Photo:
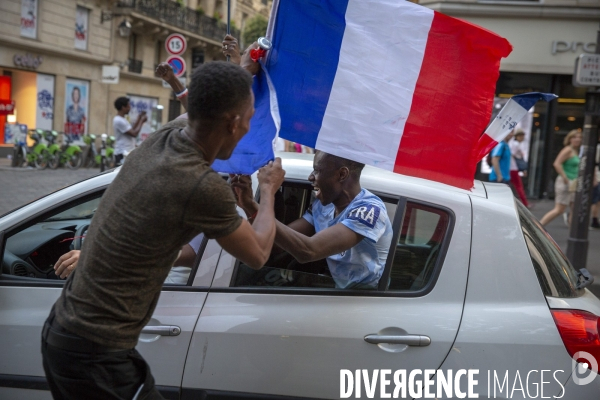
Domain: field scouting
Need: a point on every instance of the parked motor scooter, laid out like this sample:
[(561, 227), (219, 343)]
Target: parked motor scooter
[(90, 153), (70, 154), (53, 149), (37, 154), (19, 156)]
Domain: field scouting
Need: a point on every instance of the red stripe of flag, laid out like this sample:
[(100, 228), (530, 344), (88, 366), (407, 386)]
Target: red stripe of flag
[(452, 103)]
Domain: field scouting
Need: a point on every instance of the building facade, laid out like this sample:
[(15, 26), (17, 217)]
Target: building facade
[(547, 36), (52, 54)]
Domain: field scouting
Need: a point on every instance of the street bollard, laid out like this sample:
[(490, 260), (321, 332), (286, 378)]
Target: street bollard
[(103, 152)]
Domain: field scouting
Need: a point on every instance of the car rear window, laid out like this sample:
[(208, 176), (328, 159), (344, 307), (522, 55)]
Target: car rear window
[(557, 276)]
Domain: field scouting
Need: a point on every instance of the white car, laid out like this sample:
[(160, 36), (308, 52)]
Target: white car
[(475, 295)]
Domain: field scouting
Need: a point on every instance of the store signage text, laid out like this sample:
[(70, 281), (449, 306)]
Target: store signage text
[(111, 74), (27, 60), (561, 46), (587, 70)]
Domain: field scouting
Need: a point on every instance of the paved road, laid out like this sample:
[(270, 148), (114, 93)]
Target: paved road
[(20, 186)]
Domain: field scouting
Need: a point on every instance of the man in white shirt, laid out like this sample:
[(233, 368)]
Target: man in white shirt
[(125, 134)]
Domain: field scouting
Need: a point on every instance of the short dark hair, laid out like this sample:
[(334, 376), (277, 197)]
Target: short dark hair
[(354, 167), (121, 102), (217, 87)]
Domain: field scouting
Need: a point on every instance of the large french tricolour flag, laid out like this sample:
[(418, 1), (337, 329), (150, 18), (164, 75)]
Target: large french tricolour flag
[(385, 82)]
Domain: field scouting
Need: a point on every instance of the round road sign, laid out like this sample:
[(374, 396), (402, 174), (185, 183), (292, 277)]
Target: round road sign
[(178, 65), (176, 44)]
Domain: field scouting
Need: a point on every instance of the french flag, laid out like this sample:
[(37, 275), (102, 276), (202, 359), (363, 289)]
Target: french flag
[(385, 82), (508, 118)]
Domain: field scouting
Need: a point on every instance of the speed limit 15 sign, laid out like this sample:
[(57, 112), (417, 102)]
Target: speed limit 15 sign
[(176, 44)]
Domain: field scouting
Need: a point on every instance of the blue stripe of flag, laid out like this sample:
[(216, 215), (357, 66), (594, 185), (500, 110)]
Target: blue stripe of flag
[(256, 148), (306, 48)]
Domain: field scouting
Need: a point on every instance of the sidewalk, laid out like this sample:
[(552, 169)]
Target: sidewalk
[(560, 233)]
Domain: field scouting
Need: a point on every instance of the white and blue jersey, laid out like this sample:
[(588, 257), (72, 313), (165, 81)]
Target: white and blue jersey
[(366, 215)]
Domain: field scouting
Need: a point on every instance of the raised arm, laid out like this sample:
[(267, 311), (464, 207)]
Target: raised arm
[(165, 71)]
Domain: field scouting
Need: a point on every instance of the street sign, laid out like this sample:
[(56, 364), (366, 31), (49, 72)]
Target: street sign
[(587, 70), (110, 74), (176, 44), (178, 65)]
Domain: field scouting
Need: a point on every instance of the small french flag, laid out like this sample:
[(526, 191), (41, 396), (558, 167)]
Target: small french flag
[(508, 118)]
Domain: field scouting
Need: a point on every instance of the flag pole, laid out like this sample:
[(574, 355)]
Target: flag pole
[(228, 20)]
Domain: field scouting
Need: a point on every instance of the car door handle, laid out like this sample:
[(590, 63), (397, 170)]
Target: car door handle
[(410, 340), (163, 330)]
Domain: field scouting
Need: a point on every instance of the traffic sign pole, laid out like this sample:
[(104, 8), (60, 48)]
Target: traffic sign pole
[(577, 245)]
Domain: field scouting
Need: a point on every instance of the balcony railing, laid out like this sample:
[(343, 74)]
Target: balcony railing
[(135, 66), (182, 17)]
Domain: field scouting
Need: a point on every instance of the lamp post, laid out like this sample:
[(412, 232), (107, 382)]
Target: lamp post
[(577, 245)]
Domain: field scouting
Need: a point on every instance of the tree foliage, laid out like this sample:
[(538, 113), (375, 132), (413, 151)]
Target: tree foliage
[(255, 28)]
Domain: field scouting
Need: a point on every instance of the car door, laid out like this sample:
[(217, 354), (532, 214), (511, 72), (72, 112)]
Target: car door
[(31, 242), (279, 332)]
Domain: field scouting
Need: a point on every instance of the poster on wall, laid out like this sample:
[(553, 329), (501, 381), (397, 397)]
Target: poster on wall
[(81, 27), (29, 11), (76, 108), (45, 101), (139, 104)]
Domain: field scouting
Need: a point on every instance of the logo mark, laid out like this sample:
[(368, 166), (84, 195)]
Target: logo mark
[(579, 368)]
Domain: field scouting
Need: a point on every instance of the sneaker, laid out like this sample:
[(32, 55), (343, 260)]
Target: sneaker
[(595, 224)]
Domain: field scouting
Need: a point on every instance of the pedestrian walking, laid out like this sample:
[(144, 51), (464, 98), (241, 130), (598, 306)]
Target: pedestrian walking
[(501, 159), (165, 194), (595, 209), (566, 165)]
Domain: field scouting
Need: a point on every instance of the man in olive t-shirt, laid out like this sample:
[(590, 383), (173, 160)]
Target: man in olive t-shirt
[(162, 197)]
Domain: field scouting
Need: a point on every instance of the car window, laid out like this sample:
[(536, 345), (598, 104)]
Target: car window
[(422, 233), (281, 269), (84, 210), (555, 273), (30, 251)]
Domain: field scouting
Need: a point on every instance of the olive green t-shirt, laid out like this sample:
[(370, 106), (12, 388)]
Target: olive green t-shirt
[(164, 195)]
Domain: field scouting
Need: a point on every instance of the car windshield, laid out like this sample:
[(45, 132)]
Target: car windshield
[(557, 276)]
